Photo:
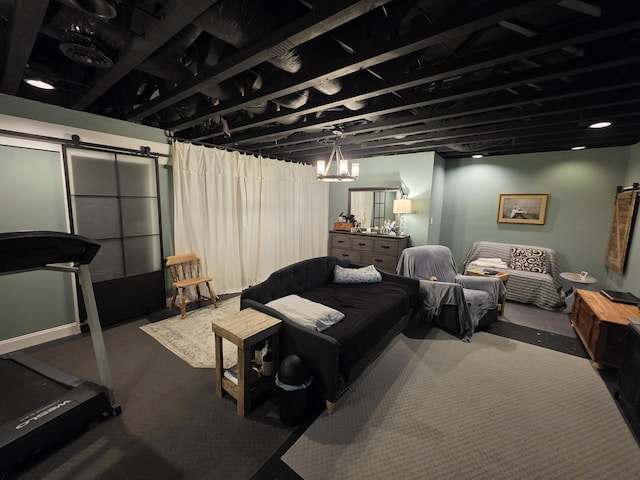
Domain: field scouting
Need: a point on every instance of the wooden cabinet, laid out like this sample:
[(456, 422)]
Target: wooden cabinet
[(383, 251), (628, 387), (601, 325)]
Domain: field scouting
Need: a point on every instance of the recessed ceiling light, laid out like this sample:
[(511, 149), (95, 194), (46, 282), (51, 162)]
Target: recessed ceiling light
[(600, 125), (41, 84), (477, 155), (580, 147)]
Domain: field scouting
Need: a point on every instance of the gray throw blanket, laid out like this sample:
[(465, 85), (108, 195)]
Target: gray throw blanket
[(474, 296)]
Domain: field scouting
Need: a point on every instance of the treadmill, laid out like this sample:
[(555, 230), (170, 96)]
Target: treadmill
[(39, 404)]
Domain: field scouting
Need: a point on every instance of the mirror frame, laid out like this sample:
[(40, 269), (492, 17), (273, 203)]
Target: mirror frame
[(397, 190)]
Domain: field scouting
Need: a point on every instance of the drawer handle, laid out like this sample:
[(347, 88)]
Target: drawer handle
[(385, 246), (341, 241), (361, 244), (378, 260), (345, 254)]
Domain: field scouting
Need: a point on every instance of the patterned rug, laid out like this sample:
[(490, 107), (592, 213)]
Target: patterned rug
[(191, 338), (493, 408)]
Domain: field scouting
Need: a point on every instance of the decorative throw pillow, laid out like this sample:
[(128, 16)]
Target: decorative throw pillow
[(306, 313), (367, 274), (528, 259)]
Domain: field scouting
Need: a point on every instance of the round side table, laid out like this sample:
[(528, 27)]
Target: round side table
[(577, 281)]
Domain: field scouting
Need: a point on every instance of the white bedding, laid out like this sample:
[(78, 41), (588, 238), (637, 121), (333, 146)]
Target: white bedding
[(306, 313)]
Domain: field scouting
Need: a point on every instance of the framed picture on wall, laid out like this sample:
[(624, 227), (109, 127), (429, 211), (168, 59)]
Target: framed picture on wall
[(522, 208)]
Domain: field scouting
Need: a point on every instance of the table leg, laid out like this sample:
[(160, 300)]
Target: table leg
[(219, 365), (569, 299), (244, 381)]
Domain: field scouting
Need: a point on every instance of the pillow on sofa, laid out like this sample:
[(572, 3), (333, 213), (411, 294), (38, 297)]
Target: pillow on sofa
[(528, 260), (306, 313), (367, 274)]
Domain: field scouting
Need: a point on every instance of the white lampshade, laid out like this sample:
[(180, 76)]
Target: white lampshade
[(355, 169), (402, 206), (343, 167), (320, 167)]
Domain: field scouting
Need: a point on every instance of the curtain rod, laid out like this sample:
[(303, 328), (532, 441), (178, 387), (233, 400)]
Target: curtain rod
[(76, 142), (205, 144)]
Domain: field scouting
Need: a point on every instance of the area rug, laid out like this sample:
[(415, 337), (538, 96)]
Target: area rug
[(494, 408), (191, 338)]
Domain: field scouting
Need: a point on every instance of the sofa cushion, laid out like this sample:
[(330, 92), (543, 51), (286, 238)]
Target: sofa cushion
[(528, 260), (306, 312), (367, 274)]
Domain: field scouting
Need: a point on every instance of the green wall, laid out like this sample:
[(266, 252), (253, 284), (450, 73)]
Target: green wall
[(434, 218), (20, 107), (33, 198), (581, 187), (415, 170)]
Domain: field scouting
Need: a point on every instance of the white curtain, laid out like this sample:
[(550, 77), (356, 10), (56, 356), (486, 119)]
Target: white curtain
[(246, 216)]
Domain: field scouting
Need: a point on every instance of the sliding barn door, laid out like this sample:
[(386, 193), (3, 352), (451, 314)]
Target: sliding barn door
[(624, 215), (114, 200)]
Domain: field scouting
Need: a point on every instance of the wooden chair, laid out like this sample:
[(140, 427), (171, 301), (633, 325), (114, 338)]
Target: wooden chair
[(185, 273)]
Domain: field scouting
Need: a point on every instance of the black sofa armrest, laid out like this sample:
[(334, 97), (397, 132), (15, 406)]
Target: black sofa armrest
[(414, 283), (319, 351)]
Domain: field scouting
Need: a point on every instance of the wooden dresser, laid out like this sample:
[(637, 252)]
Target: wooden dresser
[(602, 326), (383, 251)]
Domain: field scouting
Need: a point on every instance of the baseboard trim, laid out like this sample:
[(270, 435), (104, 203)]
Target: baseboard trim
[(36, 338)]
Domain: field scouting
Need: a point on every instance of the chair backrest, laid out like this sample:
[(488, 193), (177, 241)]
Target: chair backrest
[(183, 266), (425, 261)]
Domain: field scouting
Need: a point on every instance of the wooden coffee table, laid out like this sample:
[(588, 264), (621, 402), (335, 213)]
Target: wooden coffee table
[(602, 326), (504, 278), (244, 329)]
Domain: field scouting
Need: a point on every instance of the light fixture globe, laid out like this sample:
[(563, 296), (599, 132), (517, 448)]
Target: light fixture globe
[(343, 173)]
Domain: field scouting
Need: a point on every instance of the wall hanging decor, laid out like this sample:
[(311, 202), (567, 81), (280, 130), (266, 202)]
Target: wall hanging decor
[(624, 218), (523, 208)]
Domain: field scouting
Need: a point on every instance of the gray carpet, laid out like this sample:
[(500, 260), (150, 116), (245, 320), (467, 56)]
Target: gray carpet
[(493, 408), (554, 321), (173, 426)]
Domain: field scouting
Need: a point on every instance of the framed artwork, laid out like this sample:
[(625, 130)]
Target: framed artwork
[(523, 208)]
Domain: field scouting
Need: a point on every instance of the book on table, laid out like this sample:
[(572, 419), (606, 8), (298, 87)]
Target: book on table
[(232, 374), (621, 297)]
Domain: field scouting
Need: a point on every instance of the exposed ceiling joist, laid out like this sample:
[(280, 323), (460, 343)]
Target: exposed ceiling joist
[(309, 27), (25, 24), (392, 76)]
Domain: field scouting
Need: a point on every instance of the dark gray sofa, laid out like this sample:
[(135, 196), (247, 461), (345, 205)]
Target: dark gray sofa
[(374, 315)]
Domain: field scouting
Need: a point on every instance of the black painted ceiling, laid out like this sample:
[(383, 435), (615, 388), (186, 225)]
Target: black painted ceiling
[(285, 78)]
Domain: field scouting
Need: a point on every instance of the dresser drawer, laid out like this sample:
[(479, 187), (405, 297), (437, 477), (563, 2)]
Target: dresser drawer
[(353, 257), (341, 241), (383, 262), (386, 247), (362, 243)]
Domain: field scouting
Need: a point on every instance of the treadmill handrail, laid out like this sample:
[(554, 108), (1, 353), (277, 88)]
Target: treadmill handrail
[(27, 250), (41, 250)]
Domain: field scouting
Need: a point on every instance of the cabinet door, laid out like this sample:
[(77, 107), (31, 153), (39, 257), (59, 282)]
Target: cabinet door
[(582, 318), (596, 345)]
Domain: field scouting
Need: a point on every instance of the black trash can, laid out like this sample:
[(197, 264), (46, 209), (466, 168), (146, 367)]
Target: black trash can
[(293, 380)]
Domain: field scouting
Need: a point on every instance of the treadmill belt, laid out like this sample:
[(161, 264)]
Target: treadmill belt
[(24, 390)]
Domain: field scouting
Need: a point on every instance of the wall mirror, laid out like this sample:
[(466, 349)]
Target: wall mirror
[(372, 206)]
